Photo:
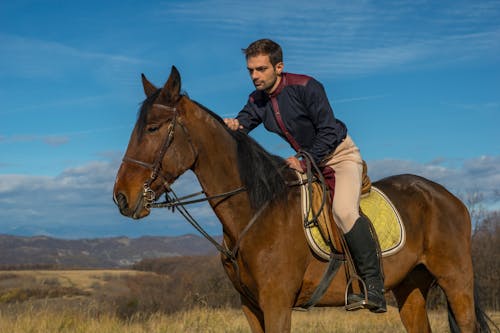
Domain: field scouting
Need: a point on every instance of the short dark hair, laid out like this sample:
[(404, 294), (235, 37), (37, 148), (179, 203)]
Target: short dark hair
[(265, 47)]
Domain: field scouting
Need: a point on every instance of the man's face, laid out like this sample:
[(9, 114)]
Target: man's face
[(264, 76)]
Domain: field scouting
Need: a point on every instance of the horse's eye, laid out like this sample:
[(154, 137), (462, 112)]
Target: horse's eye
[(153, 128)]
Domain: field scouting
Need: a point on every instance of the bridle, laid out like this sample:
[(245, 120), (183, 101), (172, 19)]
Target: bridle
[(149, 198), (148, 194)]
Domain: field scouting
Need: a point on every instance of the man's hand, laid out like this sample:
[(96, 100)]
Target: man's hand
[(233, 124), (294, 163)]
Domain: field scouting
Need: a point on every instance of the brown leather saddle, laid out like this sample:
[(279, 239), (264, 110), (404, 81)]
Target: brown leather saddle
[(319, 223), (323, 234)]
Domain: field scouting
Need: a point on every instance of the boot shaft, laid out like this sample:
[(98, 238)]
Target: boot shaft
[(365, 251)]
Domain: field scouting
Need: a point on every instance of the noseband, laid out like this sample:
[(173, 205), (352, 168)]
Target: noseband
[(148, 195)]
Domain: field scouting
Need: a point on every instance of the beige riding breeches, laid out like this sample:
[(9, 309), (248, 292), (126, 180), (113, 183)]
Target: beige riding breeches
[(348, 166)]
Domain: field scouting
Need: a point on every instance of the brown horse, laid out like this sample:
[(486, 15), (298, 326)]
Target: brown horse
[(274, 269)]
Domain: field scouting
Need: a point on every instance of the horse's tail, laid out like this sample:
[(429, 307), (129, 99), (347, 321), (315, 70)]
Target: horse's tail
[(484, 324)]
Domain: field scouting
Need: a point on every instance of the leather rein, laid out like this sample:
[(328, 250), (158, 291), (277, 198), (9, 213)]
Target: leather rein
[(172, 201)]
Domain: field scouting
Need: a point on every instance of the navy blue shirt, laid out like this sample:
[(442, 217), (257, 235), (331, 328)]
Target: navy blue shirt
[(306, 113)]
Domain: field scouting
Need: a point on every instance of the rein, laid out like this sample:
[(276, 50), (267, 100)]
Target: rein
[(173, 201)]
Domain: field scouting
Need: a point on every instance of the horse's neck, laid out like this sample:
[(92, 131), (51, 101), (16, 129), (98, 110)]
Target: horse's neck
[(217, 171), (216, 165)]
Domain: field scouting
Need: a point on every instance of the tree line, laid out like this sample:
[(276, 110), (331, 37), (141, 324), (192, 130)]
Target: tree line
[(193, 281)]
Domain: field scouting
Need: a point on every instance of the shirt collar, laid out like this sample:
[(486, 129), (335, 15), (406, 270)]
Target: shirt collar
[(280, 86)]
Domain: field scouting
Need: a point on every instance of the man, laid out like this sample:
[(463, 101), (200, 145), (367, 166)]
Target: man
[(296, 108)]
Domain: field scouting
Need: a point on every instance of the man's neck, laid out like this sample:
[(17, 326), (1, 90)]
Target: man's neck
[(275, 85)]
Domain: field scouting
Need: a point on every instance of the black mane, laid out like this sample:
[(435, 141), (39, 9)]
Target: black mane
[(262, 174)]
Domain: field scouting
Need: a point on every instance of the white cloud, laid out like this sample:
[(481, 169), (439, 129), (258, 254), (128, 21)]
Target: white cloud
[(481, 174), (78, 202)]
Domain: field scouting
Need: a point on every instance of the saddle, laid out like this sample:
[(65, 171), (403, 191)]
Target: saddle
[(322, 233)]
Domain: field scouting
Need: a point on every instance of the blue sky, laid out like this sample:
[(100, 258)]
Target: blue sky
[(417, 82)]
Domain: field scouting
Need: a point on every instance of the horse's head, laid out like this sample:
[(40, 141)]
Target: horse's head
[(159, 150)]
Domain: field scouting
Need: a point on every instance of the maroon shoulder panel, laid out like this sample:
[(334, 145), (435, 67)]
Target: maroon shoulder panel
[(296, 79)]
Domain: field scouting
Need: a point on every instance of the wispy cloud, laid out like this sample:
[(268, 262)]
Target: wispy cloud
[(359, 37), (57, 104), (56, 139), (35, 58), (51, 140), (360, 98), (476, 107)]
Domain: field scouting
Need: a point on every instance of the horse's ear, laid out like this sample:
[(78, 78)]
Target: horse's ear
[(172, 89), (149, 88)]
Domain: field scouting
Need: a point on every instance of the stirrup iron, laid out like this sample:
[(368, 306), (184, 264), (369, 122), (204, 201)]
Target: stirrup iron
[(356, 305)]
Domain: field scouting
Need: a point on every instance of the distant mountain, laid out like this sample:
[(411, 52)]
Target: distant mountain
[(96, 253)]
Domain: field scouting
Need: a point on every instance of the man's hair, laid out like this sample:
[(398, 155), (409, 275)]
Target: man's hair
[(265, 47)]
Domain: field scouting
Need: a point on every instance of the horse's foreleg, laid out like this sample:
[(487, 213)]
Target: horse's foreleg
[(411, 296), (254, 315), (277, 312), (278, 319)]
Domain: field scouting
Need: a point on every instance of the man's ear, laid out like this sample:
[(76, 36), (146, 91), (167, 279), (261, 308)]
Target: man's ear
[(279, 67)]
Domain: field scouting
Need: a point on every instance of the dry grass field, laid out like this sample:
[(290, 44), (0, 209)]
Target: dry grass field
[(81, 301), (44, 320)]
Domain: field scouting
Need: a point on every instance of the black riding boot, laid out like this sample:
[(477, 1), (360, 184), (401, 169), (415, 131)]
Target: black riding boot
[(364, 252)]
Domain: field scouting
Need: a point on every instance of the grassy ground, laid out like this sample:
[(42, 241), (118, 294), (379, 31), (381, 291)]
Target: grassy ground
[(71, 301), (43, 320)]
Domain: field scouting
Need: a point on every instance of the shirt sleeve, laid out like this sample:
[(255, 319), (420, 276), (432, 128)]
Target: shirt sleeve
[(248, 117), (327, 136)]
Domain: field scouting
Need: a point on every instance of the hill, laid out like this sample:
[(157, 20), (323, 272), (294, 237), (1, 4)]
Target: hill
[(17, 251)]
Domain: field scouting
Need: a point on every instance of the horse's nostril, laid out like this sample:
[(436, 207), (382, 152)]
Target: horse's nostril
[(121, 200)]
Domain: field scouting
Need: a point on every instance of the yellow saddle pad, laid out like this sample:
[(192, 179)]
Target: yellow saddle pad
[(376, 205)]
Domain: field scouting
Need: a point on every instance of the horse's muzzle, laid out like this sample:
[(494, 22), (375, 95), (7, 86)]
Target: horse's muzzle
[(121, 201)]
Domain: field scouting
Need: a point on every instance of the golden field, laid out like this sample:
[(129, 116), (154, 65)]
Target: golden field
[(202, 320), (82, 301)]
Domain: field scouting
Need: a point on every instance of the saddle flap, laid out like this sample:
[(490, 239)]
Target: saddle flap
[(319, 223)]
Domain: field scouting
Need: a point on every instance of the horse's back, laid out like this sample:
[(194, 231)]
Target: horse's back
[(426, 206), (413, 187)]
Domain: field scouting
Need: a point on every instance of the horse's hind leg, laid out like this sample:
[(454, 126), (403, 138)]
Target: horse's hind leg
[(457, 282), (411, 295)]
